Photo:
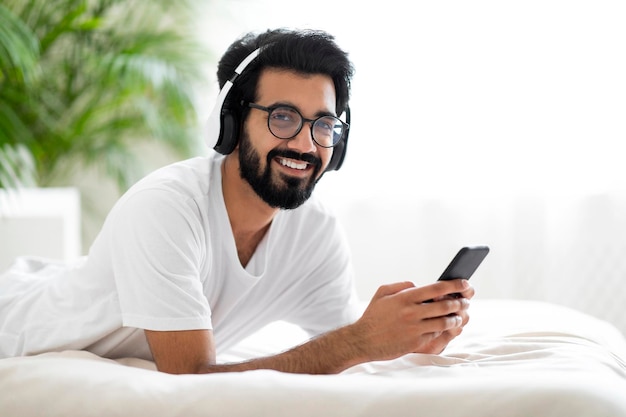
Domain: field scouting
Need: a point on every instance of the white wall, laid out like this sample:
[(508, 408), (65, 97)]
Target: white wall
[(519, 95)]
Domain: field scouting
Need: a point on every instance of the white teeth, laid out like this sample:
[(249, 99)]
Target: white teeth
[(292, 164)]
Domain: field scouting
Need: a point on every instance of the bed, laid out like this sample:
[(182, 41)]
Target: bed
[(515, 358)]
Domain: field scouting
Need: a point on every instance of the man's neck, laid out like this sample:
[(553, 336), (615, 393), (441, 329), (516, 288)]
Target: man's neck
[(249, 216)]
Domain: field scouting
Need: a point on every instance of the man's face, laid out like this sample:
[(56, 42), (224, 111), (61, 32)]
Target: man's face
[(284, 172)]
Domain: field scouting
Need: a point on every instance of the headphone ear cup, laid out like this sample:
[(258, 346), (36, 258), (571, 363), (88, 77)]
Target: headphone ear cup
[(229, 133), (339, 153)]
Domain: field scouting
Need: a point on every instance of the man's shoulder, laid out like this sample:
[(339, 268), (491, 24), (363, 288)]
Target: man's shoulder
[(193, 169), (183, 185), (188, 177)]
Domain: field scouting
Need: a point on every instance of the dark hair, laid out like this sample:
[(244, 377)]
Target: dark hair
[(304, 51)]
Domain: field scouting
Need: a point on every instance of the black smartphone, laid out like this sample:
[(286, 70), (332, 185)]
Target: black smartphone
[(465, 263)]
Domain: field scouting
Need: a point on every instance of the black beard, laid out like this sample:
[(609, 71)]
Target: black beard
[(284, 192)]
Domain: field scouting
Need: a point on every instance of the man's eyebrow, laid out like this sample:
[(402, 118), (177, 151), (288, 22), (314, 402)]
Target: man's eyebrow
[(289, 104)]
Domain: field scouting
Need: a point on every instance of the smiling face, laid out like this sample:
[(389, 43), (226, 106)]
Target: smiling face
[(283, 172)]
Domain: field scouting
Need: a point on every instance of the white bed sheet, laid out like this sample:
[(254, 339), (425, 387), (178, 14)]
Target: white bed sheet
[(516, 358)]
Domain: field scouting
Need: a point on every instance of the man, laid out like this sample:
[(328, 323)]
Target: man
[(202, 253)]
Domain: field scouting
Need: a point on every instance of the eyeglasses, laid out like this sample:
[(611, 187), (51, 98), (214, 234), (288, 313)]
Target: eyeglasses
[(286, 122)]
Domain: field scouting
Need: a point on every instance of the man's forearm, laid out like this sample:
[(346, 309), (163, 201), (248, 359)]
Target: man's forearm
[(328, 353)]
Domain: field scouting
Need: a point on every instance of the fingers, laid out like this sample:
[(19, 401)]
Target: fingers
[(439, 341), (443, 315), (448, 328), (435, 317), (443, 323), (438, 290), (408, 298), (469, 293), (435, 291)]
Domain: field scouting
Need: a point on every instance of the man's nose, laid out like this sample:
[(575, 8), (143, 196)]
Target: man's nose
[(303, 142)]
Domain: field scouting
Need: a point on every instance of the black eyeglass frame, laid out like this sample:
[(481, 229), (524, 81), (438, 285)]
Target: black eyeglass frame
[(270, 109)]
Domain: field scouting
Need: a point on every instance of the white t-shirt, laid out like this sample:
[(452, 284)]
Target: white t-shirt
[(166, 259)]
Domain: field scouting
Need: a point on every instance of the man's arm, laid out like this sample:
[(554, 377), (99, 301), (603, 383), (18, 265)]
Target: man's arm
[(396, 322)]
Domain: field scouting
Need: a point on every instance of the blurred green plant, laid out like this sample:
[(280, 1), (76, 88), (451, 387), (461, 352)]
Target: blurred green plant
[(83, 81)]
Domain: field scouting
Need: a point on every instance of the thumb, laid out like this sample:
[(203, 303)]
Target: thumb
[(389, 289)]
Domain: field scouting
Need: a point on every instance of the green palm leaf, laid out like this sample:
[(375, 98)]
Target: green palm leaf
[(97, 81)]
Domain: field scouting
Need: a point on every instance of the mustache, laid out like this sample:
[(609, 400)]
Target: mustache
[(306, 157)]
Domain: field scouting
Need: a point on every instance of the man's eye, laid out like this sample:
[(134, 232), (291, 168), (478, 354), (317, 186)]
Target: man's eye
[(326, 125), (284, 115)]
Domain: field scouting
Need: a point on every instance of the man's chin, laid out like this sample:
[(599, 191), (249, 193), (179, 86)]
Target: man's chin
[(292, 193), (288, 181)]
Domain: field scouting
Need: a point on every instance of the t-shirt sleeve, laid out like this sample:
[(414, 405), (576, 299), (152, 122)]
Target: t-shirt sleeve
[(156, 245)]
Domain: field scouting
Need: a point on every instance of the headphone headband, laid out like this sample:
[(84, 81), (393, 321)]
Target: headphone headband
[(215, 131)]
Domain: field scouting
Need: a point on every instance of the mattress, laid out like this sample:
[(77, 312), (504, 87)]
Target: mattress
[(515, 358)]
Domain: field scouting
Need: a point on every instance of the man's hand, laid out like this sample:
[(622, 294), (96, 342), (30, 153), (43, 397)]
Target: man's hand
[(397, 321)]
